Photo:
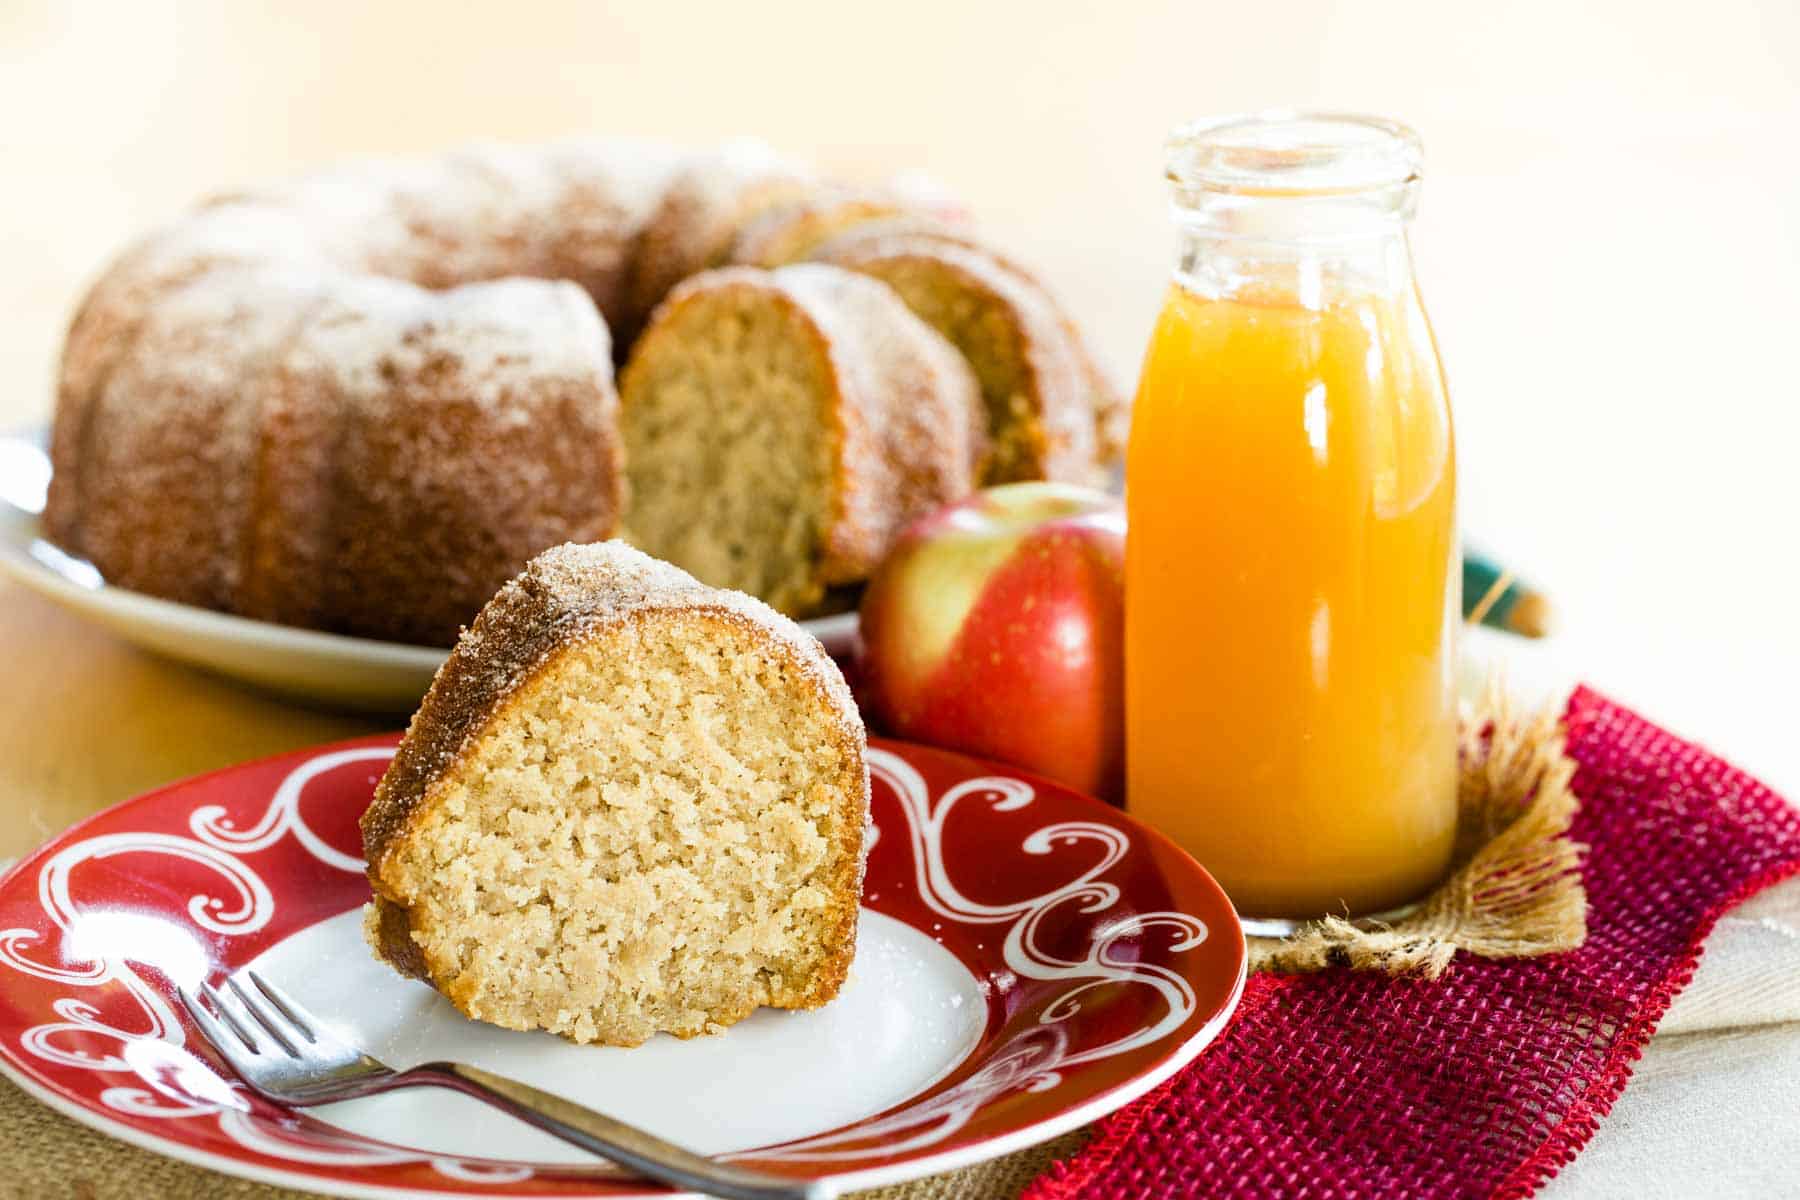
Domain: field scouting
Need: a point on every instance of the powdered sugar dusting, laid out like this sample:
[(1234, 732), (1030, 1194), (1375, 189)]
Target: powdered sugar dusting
[(494, 338), (912, 407), (565, 595), (1050, 413), (587, 586)]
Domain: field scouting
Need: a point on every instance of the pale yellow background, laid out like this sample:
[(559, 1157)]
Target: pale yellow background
[(1609, 239)]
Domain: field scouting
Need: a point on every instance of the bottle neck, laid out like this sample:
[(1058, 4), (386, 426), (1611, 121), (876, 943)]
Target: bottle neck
[(1306, 250)]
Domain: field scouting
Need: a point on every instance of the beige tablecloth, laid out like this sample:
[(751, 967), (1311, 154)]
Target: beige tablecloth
[(44, 1155)]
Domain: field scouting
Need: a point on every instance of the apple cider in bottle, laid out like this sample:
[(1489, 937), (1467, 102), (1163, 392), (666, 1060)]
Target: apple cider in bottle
[(1291, 595)]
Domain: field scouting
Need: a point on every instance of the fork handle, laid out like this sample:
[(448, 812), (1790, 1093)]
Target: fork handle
[(630, 1147)]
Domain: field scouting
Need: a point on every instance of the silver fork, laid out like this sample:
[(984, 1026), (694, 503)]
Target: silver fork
[(287, 1055)]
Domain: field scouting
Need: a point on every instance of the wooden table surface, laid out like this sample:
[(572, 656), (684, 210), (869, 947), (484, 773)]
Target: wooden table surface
[(88, 721)]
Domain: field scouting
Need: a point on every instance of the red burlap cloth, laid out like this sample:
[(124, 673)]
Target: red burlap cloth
[(1484, 1083)]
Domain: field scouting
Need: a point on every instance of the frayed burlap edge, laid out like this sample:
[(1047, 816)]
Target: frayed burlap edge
[(1517, 892)]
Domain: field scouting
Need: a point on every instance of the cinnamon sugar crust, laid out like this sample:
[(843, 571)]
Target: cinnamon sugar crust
[(878, 237), (859, 417), (1036, 379), (629, 803)]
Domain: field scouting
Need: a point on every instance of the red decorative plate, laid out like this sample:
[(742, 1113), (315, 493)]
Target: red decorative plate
[(1029, 960)]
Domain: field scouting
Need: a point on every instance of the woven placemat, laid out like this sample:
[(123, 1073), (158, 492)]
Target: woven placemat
[(46, 1156), (1487, 1081), (1514, 890)]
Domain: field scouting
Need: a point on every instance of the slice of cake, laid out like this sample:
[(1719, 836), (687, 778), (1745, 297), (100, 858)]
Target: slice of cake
[(630, 803), (782, 427), (907, 244), (711, 198), (1036, 381), (790, 232)]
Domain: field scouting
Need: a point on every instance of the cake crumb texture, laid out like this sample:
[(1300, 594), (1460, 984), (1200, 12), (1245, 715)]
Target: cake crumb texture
[(631, 804)]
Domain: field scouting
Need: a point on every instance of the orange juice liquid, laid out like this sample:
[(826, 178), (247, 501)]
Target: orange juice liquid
[(1291, 599)]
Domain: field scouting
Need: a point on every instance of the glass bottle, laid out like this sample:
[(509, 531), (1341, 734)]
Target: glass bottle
[(1291, 583)]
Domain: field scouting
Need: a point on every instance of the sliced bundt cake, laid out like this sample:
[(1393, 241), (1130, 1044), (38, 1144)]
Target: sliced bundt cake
[(630, 803), (709, 201), (791, 231), (360, 399), (444, 436), (1036, 380), (918, 230), (781, 428)]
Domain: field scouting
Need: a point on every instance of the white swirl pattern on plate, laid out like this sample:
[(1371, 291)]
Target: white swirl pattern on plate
[(252, 906), (323, 1147), (213, 826), (1035, 1060), (1032, 1061)]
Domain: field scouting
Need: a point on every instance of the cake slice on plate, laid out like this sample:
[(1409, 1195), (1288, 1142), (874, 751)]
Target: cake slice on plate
[(630, 803)]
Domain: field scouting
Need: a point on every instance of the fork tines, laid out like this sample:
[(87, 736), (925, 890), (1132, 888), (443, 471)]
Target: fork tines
[(246, 1013)]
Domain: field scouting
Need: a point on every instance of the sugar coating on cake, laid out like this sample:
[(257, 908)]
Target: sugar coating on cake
[(847, 418), (789, 232), (1033, 381), (704, 208), (630, 803), (918, 236)]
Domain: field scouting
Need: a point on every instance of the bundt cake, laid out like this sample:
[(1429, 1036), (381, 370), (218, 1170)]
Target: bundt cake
[(360, 400), (781, 427), (351, 453), (268, 409), (791, 231), (1040, 413), (483, 417), (710, 200), (916, 236), (630, 803)]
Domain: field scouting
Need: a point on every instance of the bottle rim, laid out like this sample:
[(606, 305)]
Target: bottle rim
[(1293, 153)]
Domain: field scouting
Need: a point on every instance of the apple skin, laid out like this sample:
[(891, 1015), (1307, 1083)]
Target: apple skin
[(996, 626)]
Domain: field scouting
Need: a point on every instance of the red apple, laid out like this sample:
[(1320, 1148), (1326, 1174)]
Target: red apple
[(996, 627)]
